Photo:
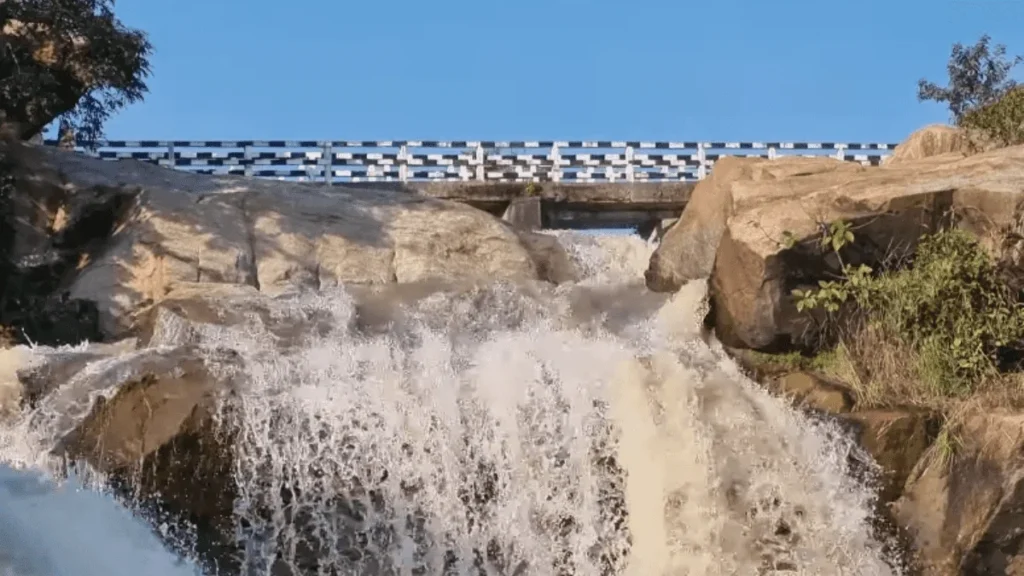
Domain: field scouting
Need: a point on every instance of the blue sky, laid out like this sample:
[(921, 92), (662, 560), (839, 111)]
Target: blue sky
[(801, 70)]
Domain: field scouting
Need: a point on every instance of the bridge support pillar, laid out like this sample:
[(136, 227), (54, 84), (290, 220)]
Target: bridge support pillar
[(525, 213)]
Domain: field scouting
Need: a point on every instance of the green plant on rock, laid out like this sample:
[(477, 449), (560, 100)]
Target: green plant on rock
[(1002, 122), (831, 294), (950, 306)]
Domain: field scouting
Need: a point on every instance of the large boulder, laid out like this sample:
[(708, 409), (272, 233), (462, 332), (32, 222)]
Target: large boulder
[(149, 421), (755, 269), (964, 504), (687, 251), (128, 231), (936, 140)]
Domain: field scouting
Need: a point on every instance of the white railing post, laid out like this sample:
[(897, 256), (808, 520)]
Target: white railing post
[(246, 159), (556, 163), (702, 169), (630, 173), (403, 164), (771, 153), (327, 159), (841, 152), (479, 155)]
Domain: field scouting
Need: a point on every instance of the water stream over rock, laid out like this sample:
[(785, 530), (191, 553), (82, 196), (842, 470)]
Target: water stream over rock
[(589, 429)]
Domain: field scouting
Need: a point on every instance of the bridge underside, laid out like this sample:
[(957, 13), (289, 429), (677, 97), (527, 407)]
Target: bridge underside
[(621, 205)]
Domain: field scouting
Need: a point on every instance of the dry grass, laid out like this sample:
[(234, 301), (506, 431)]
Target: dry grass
[(884, 372)]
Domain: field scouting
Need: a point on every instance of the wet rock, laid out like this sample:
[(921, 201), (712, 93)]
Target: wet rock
[(156, 437), (896, 439), (813, 392), (40, 379), (553, 263), (964, 502)]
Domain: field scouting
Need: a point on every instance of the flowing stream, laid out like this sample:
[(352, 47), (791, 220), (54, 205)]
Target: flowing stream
[(591, 428)]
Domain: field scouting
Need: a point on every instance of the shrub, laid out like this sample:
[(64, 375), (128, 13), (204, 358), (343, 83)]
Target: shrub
[(1002, 122), (70, 59), (949, 307)]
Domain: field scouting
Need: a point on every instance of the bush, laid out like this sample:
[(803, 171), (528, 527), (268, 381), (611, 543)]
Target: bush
[(949, 307), (70, 59), (1001, 122)]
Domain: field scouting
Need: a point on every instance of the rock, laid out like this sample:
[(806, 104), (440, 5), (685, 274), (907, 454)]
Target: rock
[(133, 230), (553, 262), (754, 270), (156, 436), (181, 316), (896, 439), (810, 391), (949, 142), (966, 513), (687, 251), (11, 388)]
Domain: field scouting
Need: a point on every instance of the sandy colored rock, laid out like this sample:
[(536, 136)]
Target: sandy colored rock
[(809, 391), (687, 252), (949, 142), (151, 227), (966, 513), (754, 271)]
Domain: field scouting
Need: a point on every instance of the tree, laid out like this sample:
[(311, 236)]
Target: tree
[(68, 59), (978, 76)]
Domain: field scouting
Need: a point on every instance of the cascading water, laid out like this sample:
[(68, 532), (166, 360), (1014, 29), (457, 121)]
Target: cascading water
[(586, 429)]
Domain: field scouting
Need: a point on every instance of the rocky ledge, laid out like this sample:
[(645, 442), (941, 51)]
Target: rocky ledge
[(957, 499), (114, 237)]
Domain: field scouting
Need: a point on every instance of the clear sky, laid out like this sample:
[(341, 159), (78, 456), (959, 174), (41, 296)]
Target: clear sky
[(802, 70)]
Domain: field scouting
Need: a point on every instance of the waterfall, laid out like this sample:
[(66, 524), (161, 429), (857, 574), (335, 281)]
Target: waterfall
[(589, 428)]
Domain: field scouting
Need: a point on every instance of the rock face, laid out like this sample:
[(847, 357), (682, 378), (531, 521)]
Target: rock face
[(744, 216), (966, 508), (130, 231)]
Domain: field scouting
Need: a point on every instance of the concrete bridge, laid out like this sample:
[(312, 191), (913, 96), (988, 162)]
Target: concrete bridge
[(621, 205), (543, 184)]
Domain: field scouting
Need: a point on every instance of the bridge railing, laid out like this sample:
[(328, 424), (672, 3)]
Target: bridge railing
[(491, 161)]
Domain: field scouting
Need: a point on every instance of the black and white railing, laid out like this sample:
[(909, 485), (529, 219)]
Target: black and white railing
[(426, 160)]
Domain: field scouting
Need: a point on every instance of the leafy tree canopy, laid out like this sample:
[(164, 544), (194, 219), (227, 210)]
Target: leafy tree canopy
[(67, 59), (979, 75)]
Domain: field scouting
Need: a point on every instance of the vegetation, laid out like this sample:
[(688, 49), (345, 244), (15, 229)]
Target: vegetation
[(981, 96), (938, 329), (1002, 122), (67, 59), (978, 76)]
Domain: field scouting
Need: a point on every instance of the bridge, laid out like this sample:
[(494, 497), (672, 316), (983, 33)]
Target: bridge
[(549, 184)]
